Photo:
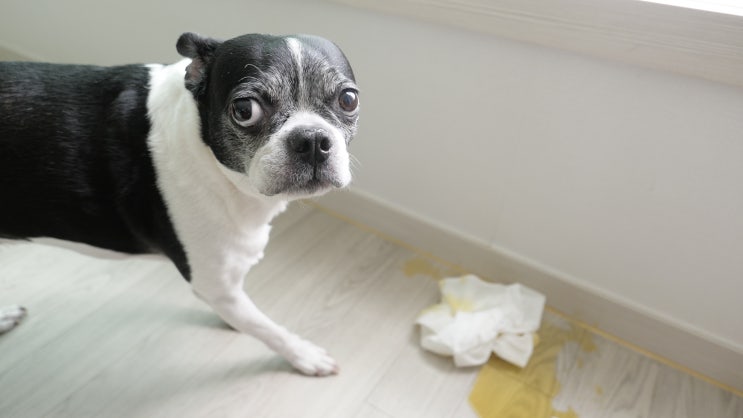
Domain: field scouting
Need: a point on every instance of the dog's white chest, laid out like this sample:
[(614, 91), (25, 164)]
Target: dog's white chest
[(248, 246), (220, 226)]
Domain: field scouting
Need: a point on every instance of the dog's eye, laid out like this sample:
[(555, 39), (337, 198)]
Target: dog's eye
[(348, 100), (247, 112)]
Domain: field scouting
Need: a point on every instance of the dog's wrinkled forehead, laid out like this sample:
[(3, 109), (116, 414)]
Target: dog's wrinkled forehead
[(297, 69)]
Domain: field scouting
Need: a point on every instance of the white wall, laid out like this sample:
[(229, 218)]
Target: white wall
[(627, 180)]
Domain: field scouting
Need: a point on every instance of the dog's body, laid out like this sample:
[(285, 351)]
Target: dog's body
[(192, 160)]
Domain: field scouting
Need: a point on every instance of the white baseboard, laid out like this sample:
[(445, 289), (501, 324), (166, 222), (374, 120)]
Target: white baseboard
[(656, 336)]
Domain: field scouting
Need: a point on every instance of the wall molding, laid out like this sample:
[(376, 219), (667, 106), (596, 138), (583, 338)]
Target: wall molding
[(658, 36), (645, 331)]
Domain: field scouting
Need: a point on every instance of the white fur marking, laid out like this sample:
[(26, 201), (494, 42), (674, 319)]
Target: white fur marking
[(221, 220), (295, 47)]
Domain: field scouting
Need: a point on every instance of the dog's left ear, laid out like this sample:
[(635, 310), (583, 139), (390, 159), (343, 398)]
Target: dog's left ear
[(201, 51)]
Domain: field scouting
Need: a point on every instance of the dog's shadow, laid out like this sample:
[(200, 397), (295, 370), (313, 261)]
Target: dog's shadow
[(196, 391), (202, 318), (211, 380)]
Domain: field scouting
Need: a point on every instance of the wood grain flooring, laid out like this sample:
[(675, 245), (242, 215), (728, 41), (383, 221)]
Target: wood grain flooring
[(126, 338)]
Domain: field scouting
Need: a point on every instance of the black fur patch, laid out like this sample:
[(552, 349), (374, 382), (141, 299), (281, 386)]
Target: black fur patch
[(74, 161)]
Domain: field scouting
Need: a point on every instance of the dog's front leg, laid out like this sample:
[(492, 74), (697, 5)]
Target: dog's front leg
[(235, 307)]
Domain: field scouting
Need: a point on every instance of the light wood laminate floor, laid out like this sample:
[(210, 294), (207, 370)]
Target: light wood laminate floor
[(126, 338)]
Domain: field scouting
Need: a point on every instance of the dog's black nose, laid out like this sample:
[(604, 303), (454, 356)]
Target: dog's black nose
[(312, 145)]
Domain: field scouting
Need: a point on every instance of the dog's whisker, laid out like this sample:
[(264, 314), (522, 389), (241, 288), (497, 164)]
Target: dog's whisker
[(354, 162)]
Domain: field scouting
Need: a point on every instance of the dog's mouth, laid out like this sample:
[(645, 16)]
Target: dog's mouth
[(312, 187), (306, 182)]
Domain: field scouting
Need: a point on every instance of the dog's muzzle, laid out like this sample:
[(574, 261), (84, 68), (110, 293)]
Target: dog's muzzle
[(302, 159)]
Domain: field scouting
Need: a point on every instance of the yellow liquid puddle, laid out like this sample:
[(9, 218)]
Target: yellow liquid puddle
[(505, 391), (424, 267)]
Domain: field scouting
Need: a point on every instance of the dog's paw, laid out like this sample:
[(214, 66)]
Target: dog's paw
[(10, 316), (309, 358)]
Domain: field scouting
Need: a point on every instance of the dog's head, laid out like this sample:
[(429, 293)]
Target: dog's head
[(277, 112)]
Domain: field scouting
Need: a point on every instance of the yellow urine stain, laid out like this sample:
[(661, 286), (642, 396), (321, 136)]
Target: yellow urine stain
[(459, 304), (587, 345), (497, 395), (505, 391), (599, 390), (420, 266)]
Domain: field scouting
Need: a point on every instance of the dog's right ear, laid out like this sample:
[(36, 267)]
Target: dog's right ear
[(201, 51)]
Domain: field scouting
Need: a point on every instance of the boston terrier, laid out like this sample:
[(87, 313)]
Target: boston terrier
[(191, 160)]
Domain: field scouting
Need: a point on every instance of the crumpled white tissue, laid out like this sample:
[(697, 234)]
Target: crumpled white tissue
[(476, 318)]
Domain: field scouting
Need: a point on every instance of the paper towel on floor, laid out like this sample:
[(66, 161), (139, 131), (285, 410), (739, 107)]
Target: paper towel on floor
[(476, 318)]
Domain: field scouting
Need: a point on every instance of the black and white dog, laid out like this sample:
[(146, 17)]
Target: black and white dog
[(192, 160)]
